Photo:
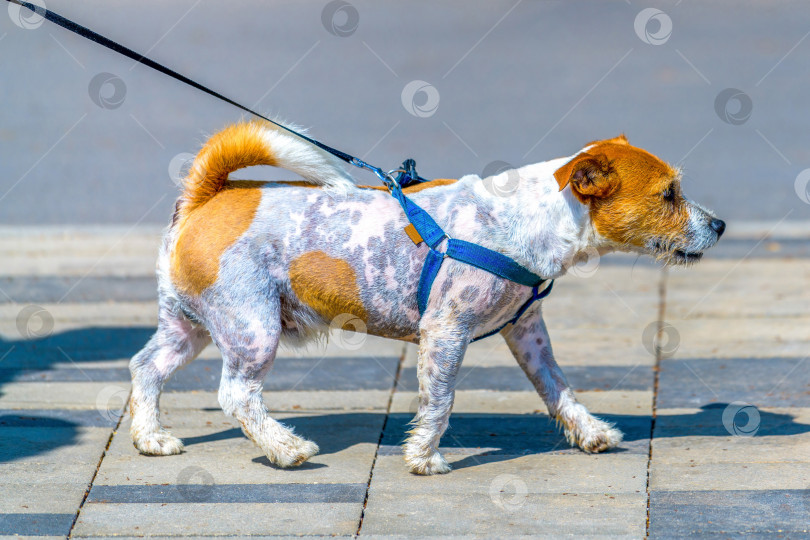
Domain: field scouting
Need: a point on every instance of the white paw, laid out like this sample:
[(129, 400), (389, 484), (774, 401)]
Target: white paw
[(433, 464), (157, 443), (293, 452), (594, 435)]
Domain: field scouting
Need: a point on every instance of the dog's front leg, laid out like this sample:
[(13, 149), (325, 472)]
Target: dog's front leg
[(529, 342), (441, 350)]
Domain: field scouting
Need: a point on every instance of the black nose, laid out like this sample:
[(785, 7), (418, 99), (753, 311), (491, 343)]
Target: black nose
[(718, 226)]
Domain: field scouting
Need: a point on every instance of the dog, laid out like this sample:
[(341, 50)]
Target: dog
[(250, 264)]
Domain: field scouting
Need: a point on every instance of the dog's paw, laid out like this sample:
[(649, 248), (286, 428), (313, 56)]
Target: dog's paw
[(426, 466), (293, 452), (158, 443), (594, 436)]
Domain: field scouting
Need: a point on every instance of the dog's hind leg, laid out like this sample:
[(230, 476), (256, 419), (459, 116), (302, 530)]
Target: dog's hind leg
[(529, 342), (176, 342), (248, 340), (441, 350)]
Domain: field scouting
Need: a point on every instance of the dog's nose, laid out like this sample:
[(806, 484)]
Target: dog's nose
[(718, 226)]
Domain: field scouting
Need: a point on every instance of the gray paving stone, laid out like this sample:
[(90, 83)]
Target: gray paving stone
[(763, 382), (26, 494), (36, 524), (334, 373), (557, 515), (513, 379), (229, 493), (729, 476), (611, 473), (57, 418), (66, 444), (698, 513), (204, 519), (42, 289)]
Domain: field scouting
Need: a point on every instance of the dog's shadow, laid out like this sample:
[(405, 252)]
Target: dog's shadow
[(506, 436)]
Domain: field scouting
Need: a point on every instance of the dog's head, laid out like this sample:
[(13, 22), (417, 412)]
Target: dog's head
[(636, 204)]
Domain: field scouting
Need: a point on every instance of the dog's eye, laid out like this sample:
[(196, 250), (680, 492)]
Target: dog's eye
[(668, 194)]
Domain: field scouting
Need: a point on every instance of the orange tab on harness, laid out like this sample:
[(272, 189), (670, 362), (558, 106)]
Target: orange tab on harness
[(410, 230)]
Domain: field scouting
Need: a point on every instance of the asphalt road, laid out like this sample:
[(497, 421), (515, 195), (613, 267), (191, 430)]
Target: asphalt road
[(512, 81)]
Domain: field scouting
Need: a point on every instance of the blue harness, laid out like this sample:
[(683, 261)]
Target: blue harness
[(467, 252)]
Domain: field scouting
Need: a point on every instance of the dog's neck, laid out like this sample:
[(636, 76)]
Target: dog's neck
[(527, 217)]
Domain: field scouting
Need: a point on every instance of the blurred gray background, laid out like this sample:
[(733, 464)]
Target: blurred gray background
[(517, 82)]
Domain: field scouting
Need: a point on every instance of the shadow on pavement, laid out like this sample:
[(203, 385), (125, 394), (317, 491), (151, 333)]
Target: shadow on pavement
[(38, 431), (509, 435)]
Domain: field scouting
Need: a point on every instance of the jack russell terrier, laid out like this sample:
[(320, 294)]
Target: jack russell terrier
[(249, 264)]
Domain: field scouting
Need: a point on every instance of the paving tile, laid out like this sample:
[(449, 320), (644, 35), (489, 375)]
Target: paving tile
[(106, 399), (36, 524), (44, 289), (54, 497), (288, 401), (739, 337), (611, 473), (308, 373), (41, 445), (630, 402), (106, 519), (229, 493), (555, 515), (719, 420), (512, 378), (764, 382), (728, 476), (701, 513)]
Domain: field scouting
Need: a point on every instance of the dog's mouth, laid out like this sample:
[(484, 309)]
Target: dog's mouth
[(686, 257), (672, 255)]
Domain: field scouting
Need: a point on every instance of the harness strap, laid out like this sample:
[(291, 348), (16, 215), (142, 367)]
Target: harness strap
[(467, 252)]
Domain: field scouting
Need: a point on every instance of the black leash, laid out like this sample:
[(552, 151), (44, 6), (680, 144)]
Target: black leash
[(141, 59)]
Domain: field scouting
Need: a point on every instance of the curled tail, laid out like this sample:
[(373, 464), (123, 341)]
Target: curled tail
[(256, 143)]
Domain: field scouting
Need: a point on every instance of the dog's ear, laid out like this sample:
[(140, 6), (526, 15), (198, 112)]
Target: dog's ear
[(588, 175)]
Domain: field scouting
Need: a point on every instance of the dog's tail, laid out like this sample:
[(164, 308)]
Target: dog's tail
[(257, 143)]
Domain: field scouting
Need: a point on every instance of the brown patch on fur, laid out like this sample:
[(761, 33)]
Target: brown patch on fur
[(624, 187), (206, 233), (237, 146), (327, 285)]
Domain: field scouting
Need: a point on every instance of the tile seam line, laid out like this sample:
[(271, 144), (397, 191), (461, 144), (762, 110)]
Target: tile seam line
[(98, 466), (662, 308), (394, 386)]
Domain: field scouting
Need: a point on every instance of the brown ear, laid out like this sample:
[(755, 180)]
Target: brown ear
[(588, 175)]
